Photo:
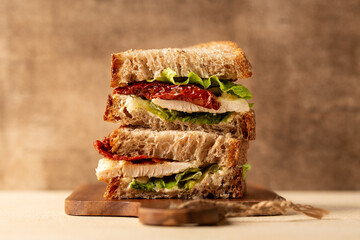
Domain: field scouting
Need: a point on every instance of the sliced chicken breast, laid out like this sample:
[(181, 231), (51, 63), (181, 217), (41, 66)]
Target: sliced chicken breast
[(227, 104), (108, 169)]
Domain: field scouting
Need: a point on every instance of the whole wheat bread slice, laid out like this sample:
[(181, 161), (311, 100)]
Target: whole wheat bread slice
[(227, 183), (199, 147), (223, 59), (239, 125)]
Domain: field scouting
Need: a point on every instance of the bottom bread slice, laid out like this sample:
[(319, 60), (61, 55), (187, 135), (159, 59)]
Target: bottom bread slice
[(225, 183)]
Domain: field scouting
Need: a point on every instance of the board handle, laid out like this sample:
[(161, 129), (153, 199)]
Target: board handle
[(178, 217)]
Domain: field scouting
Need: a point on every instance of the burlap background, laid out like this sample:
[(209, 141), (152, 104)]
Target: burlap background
[(55, 74)]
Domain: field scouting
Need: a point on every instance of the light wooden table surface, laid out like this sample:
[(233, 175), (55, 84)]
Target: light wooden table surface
[(40, 215)]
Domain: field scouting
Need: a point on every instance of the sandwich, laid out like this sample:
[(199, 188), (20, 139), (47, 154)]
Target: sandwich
[(184, 124)]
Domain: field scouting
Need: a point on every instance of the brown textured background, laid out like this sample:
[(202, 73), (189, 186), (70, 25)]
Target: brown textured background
[(55, 75)]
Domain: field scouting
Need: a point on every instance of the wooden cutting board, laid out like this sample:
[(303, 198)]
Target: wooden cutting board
[(88, 200)]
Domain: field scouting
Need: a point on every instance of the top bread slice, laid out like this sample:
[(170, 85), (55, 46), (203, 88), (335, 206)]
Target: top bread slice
[(222, 59)]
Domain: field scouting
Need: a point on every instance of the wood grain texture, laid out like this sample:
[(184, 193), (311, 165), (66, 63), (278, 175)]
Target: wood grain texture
[(88, 200)]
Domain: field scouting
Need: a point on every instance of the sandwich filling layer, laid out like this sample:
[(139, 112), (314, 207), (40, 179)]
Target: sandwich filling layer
[(213, 83), (134, 111), (176, 110), (224, 183), (158, 176), (190, 95)]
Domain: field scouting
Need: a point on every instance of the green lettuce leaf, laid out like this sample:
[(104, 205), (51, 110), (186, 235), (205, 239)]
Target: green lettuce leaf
[(159, 183), (149, 186), (188, 174), (170, 185), (168, 76), (184, 180), (196, 117), (246, 168), (189, 184), (187, 179)]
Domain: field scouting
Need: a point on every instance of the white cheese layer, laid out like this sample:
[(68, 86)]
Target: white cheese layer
[(227, 104), (108, 169)]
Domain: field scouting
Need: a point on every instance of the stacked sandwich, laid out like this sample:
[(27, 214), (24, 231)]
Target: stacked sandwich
[(185, 125)]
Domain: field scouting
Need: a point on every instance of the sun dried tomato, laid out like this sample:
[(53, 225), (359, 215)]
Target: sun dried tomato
[(189, 93)]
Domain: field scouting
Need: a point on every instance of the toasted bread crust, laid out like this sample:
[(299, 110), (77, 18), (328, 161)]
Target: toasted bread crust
[(240, 125), (228, 185), (240, 60), (223, 59), (227, 45), (196, 146)]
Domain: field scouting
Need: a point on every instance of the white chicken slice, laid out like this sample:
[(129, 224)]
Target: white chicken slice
[(227, 104), (108, 169)]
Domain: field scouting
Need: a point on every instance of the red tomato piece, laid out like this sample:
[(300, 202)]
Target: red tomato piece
[(189, 93)]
